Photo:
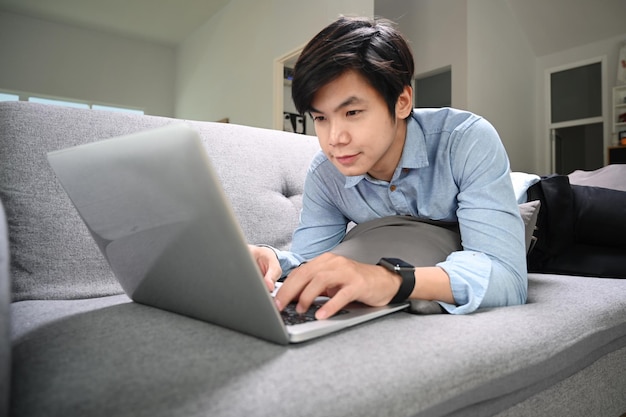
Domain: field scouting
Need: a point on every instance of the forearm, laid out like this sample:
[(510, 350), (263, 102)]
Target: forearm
[(432, 283), (478, 280)]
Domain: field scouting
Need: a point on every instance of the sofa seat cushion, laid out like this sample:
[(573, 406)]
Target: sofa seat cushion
[(109, 356)]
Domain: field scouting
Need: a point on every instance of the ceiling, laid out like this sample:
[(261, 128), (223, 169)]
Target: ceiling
[(550, 25), (162, 21), (556, 25)]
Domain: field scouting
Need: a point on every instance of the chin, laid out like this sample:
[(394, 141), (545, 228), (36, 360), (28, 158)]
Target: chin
[(350, 171)]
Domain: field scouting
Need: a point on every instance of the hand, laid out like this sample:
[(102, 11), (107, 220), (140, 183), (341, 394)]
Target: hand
[(268, 264), (341, 279)]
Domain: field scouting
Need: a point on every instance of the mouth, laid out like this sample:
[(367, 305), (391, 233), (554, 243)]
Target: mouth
[(346, 159)]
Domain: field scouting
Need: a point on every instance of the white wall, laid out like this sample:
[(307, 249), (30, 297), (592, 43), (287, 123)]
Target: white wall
[(500, 78), (437, 31), (607, 49), (492, 63), (68, 62), (225, 68)]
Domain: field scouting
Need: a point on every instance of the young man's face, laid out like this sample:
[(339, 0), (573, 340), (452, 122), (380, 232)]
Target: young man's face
[(355, 129)]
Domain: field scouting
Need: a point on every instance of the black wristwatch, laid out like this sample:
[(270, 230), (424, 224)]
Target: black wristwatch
[(406, 271)]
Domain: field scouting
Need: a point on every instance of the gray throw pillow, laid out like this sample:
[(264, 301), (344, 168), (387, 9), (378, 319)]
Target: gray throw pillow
[(416, 241), (419, 242), (529, 212)]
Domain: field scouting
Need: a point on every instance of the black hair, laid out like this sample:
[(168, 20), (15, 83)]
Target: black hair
[(373, 47)]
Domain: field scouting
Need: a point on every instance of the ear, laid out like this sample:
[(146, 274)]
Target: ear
[(404, 105)]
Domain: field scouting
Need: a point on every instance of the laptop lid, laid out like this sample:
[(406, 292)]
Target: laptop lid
[(156, 209)]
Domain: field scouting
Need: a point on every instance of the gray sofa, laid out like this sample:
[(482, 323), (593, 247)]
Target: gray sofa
[(72, 344)]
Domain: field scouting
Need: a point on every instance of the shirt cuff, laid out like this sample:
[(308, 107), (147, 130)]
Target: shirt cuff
[(469, 274), (288, 260)]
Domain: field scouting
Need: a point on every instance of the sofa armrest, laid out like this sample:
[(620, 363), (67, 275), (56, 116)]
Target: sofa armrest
[(5, 300)]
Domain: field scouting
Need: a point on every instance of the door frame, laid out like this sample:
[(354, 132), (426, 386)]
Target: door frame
[(279, 68)]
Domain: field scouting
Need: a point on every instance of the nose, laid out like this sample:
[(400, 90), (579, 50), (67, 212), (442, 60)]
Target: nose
[(338, 134)]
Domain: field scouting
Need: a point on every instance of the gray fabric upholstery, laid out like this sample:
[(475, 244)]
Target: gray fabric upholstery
[(417, 242), (529, 212), (600, 387), (5, 301), (263, 181), (143, 361), (50, 246), (73, 355)]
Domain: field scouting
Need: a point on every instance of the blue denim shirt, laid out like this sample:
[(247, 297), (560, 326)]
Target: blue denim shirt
[(453, 168)]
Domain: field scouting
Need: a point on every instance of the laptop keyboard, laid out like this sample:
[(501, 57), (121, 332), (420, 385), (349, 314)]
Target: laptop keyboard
[(291, 316)]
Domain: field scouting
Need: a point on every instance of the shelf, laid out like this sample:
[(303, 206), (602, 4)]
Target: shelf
[(619, 108)]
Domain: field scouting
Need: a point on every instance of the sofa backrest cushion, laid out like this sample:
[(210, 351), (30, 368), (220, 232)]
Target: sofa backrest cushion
[(52, 254), (262, 172)]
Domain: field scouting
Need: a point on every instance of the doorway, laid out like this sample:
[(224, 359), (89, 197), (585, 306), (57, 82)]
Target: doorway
[(434, 89), (578, 147), (285, 115)]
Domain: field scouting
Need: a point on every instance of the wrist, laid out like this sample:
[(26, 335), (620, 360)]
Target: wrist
[(392, 283), (405, 274)]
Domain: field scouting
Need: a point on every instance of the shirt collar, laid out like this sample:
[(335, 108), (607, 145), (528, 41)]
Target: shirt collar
[(414, 154)]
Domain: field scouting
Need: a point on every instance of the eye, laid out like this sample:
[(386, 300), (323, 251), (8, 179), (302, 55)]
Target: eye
[(350, 113), (318, 118)]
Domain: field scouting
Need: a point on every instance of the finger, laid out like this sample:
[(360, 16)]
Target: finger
[(323, 279), (292, 287), (321, 283), (272, 274), (333, 305), (268, 264)]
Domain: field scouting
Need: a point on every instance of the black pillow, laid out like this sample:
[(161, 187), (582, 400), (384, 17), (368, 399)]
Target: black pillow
[(581, 230), (600, 216)]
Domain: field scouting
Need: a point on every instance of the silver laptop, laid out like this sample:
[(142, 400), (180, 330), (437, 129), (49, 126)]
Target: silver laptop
[(156, 209)]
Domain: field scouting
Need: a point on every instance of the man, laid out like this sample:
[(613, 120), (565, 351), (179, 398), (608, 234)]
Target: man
[(381, 158)]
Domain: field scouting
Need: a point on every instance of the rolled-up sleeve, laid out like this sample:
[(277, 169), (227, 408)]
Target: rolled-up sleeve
[(491, 269)]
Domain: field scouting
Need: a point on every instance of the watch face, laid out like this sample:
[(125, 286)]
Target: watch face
[(398, 263)]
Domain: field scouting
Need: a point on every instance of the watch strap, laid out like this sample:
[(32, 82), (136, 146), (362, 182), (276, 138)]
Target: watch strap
[(407, 274), (406, 287)]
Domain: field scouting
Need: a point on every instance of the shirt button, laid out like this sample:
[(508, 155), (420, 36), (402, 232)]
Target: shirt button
[(392, 188), (405, 170)]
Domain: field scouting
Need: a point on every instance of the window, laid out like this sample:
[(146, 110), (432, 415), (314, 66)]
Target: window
[(7, 96), (115, 109), (58, 102), (576, 93)]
